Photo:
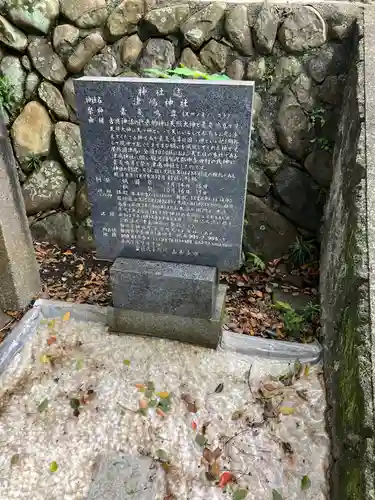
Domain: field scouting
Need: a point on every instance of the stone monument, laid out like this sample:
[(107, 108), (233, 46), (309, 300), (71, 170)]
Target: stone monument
[(166, 164), (19, 274)]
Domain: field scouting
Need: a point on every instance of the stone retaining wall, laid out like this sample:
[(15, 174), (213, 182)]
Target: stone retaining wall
[(345, 282), (296, 55)]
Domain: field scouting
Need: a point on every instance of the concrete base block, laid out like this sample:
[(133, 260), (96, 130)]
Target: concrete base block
[(200, 331), (164, 287)]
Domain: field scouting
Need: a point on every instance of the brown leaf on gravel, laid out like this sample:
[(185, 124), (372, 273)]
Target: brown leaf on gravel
[(215, 470), (190, 403), (207, 455)]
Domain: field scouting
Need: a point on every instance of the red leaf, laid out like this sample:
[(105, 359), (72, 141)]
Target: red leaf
[(225, 478), (160, 412), (194, 425), (143, 404), (51, 340)]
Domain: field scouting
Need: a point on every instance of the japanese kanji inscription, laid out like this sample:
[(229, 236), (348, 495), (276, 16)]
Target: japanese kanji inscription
[(166, 166)]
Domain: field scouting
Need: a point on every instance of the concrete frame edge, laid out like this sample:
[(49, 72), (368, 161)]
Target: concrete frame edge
[(366, 95)]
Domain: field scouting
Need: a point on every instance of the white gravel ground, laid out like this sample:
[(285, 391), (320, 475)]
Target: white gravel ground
[(275, 455)]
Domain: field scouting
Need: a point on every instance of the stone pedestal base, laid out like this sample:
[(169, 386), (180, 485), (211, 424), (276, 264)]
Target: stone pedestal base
[(164, 287), (200, 331)]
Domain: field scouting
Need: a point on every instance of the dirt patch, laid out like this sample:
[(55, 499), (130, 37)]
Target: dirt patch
[(76, 276)]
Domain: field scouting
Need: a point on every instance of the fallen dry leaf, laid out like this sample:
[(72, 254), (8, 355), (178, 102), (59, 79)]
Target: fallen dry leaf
[(271, 386), (219, 388), (190, 403), (225, 478), (143, 403), (66, 316), (215, 469), (51, 340), (163, 394), (160, 412), (287, 408), (207, 455)]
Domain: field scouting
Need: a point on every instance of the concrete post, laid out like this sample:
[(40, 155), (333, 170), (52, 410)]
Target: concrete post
[(19, 275)]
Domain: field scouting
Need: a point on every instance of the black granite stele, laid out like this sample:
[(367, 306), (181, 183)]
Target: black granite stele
[(164, 287), (166, 165)]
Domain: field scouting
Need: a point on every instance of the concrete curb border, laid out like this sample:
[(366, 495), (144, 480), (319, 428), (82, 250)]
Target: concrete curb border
[(248, 346)]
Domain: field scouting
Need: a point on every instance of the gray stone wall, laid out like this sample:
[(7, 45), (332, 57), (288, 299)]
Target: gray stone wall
[(297, 56), (346, 326)]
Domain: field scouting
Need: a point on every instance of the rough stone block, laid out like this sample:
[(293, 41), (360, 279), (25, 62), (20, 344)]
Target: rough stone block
[(347, 282), (200, 331), (164, 287), (19, 274), (122, 477)]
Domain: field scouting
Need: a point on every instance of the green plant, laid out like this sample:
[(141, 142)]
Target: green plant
[(301, 251), (183, 72), (316, 117), (268, 74), (293, 322), (33, 162), (323, 143), (311, 311), (7, 99), (253, 261)]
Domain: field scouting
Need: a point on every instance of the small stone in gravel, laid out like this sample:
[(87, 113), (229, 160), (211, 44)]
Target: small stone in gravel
[(114, 470)]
